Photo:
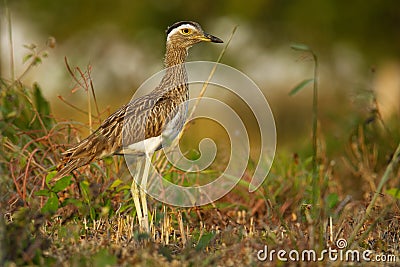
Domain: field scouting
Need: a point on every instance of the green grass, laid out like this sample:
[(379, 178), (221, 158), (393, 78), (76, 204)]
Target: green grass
[(86, 219)]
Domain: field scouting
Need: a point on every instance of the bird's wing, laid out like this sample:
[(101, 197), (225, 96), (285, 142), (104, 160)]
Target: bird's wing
[(149, 120), (140, 119)]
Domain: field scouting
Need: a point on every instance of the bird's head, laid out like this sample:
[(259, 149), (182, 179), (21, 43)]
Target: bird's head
[(184, 34)]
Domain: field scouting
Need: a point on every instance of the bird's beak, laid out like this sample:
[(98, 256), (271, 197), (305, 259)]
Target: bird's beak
[(210, 38)]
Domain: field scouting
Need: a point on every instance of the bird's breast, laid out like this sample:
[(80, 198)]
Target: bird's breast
[(175, 124)]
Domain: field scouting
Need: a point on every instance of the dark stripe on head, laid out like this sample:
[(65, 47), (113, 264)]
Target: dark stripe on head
[(180, 23)]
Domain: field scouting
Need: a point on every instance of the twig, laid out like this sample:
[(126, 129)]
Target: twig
[(72, 105), (26, 174), (86, 85), (15, 180)]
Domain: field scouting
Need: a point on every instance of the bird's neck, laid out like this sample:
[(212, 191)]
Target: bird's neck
[(175, 55), (175, 77)]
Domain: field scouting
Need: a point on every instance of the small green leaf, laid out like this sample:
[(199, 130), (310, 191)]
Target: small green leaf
[(124, 187), (77, 203), (42, 106), (85, 190), (108, 160), (49, 176), (12, 114), (332, 200), (51, 206), (204, 241), (116, 183), (394, 192), (61, 184), (30, 46), (26, 58), (300, 86), (124, 208), (36, 61), (43, 193), (301, 47), (168, 176), (92, 213)]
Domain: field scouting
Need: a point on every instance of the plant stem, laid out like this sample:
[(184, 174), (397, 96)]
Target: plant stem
[(315, 172), (10, 40), (315, 113)]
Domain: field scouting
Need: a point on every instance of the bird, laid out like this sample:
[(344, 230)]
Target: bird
[(140, 127)]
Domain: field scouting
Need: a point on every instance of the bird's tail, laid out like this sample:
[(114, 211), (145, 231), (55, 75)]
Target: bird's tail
[(65, 169), (93, 147)]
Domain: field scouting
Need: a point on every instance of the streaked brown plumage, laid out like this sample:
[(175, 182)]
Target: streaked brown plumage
[(148, 116)]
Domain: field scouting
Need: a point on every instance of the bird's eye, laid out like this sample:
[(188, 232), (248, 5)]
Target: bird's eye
[(186, 31)]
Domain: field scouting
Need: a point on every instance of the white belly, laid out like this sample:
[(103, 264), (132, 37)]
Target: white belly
[(147, 146)]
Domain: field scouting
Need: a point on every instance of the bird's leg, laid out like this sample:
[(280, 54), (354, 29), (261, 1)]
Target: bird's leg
[(143, 186), (135, 193)]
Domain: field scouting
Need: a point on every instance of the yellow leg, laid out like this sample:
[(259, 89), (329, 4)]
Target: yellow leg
[(143, 186), (136, 195), (139, 193)]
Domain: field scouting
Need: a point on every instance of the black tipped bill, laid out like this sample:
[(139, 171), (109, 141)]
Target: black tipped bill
[(211, 38)]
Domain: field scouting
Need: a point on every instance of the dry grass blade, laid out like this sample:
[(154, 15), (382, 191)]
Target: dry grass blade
[(205, 85), (72, 105), (72, 74), (95, 99), (383, 181)]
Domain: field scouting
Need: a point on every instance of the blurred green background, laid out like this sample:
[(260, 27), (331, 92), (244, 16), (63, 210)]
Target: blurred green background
[(357, 43)]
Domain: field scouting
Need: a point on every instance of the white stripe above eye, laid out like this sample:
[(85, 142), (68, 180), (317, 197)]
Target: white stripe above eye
[(177, 29)]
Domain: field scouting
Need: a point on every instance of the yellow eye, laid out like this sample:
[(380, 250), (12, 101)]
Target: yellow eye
[(186, 31)]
